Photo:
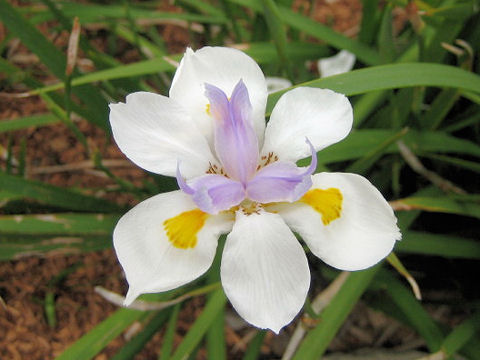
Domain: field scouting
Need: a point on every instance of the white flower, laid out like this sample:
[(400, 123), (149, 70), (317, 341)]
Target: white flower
[(276, 84), (239, 177), (337, 64)]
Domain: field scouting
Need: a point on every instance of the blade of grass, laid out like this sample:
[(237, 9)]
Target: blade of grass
[(15, 247), (254, 347), (215, 337), (32, 121), (278, 34), (392, 76), (197, 331), (439, 109), (100, 336), (55, 224), (134, 346), (53, 195), (416, 242), (97, 13), (359, 142), (261, 52), (168, 338), (445, 204), (386, 41), (368, 27), (368, 160), (412, 309), (466, 164), (460, 335), (317, 340)]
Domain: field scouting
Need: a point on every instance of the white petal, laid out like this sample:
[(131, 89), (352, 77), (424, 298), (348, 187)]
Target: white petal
[(149, 259), (321, 115), (365, 232), (156, 133), (337, 64), (264, 270), (222, 67), (277, 84)]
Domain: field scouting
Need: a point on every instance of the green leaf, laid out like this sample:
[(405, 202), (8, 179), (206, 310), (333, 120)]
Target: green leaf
[(460, 335), (254, 347), (278, 34), (368, 160), (94, 13), (169, 336), (334, 315), (392, 76), (33, 121), (136, 344), (53, 195), (386, 41), (417, 242), (439, 109), (196, 332), (261, 52), (17, 247), (368, 27), (360, 142), (412, 309), (58, 224), (444, 204), (96, 339), (466, 164)]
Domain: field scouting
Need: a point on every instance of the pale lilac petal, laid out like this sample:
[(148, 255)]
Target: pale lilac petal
[(282, 181), (214, 193), (236, 143), (182, 184)]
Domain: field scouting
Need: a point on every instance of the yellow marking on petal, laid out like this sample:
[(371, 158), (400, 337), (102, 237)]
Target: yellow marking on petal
[(207, 110), (182, 229), (327, 202)]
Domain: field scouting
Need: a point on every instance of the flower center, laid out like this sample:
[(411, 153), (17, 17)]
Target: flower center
[(242, 176), (249, 207)]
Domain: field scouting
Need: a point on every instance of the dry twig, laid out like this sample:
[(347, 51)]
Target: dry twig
[(413, 161)]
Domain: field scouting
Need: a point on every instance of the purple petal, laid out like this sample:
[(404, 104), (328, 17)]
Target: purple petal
[(215, 193), (182, 184), (282, 181), (236, 142)]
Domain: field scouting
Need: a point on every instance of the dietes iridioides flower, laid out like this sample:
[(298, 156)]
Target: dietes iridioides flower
[(239, 176)]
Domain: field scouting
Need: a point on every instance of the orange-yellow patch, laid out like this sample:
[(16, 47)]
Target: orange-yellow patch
[(207, 109), (182, 229), (327, 202)]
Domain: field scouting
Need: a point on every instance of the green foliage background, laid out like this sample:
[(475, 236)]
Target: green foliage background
[(414, 99)]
